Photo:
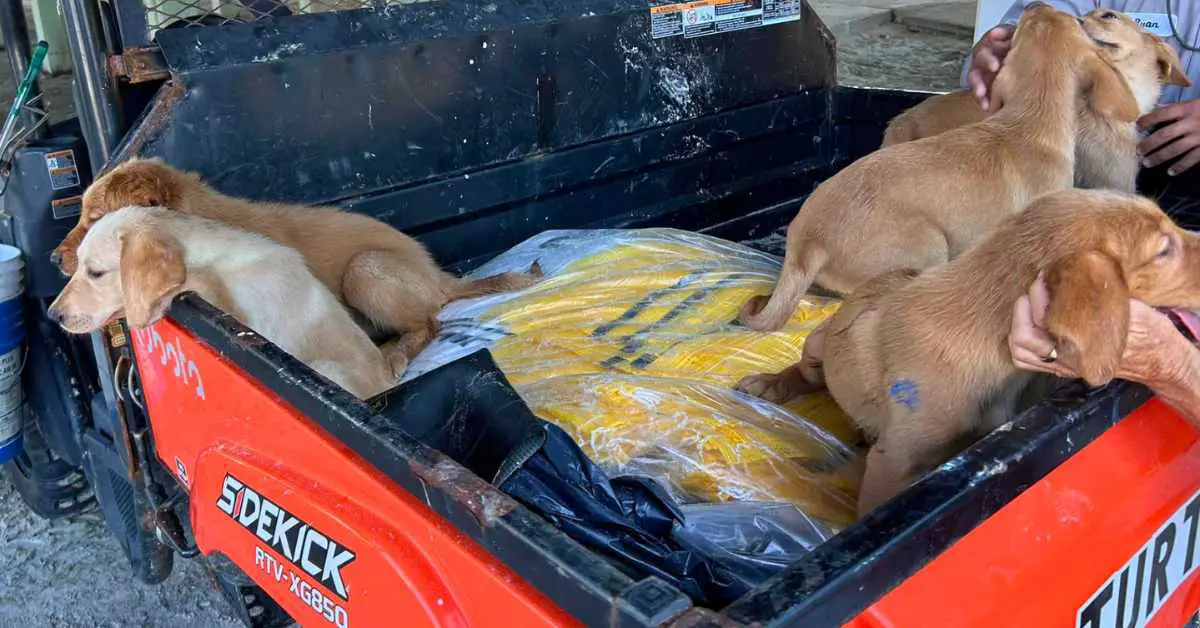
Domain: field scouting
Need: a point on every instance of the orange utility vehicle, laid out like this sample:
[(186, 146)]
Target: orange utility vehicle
[(473, 126)]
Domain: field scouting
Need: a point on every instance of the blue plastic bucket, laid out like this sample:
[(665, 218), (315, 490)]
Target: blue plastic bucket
[(12, 354), (10, 314)]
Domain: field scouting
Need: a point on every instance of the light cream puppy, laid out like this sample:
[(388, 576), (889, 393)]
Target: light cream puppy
[(136, 260)]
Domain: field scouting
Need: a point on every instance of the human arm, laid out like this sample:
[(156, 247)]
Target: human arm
[(1183, 391), (1155, 355)]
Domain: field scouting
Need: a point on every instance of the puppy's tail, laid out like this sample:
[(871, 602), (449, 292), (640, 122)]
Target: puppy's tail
[(504, 282), (800, 269)]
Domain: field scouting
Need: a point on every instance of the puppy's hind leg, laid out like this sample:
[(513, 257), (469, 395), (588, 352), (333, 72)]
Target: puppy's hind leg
[(778, 388), (893, 463), (911, 444), (398, 352), (804, 377), (386, 288)]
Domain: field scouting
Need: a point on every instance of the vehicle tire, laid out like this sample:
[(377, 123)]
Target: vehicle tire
[(248, 601), (49, 485)]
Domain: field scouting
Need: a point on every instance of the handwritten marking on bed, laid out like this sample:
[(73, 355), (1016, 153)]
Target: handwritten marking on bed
[(151, 342)]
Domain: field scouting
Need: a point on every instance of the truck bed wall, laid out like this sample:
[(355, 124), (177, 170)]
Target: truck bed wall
[(475, 126)]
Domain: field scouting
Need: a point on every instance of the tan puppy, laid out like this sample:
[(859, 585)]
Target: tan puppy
[(922, 203), (933, 115), (1106, 156), (921, 361), (1108, 148), (383, 274), (137, 259)]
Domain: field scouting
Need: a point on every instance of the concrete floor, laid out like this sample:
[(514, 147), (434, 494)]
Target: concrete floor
[(900, 44)]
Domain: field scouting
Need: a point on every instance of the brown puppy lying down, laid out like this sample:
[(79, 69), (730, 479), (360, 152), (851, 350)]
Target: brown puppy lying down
[(376, 270), (922, 203), (138, 259), (921, 361), (1106, 155)]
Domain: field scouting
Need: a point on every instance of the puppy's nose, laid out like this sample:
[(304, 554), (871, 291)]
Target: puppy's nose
[(55, 315)]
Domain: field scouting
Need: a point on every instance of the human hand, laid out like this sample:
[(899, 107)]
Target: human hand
[(1155, 354), (1179, 136), (986, 58), (1031, 346)]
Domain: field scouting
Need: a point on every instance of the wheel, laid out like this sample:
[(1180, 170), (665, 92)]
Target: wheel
[(49, 485), (249, 602)]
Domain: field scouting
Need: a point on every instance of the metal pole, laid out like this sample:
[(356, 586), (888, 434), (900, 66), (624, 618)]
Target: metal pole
[(16, 43), (96, 102)]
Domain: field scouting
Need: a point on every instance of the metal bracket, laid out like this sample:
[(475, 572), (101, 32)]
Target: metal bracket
[(140, 65), (169, 530)]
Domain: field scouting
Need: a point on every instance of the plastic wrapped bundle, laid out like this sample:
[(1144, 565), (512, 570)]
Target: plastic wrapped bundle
[(705, 443), (630, 345)]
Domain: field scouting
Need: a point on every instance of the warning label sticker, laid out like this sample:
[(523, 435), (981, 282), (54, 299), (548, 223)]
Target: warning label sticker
[(707, 17), (61, 166), (67, 207)]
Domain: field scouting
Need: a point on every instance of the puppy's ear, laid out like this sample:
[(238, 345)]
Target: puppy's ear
[(1088, 314), (64, 254), (152, 273), (1169, 65), (1107, 93)]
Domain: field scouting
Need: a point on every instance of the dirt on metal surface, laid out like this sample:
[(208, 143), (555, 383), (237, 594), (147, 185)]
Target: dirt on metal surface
[(161, 109), (485, 503), (138, 65)]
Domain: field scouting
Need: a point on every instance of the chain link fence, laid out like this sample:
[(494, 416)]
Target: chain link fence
[(162, 14)]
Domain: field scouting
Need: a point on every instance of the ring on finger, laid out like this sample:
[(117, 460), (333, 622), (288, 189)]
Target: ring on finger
[(1050, 357)]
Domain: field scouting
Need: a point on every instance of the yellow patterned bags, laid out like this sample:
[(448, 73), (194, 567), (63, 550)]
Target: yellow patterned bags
[(630, 345)]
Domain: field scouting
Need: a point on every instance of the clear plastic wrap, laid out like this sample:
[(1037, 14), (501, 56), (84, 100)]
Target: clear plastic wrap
[(705, 443), (752, 540), (630, 345)]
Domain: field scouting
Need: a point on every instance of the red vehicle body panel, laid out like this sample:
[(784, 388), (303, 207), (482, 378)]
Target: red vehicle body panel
[(409, 568), (1036, 562), (1041, 557)]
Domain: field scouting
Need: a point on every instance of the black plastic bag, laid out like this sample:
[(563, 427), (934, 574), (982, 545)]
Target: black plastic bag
[(469, 411)]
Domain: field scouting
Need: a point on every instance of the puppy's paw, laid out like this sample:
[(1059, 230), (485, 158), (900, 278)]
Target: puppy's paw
[(767, 386), (397, 359)]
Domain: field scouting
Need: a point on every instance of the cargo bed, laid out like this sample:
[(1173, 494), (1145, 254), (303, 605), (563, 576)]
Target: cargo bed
[(474, 129)]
